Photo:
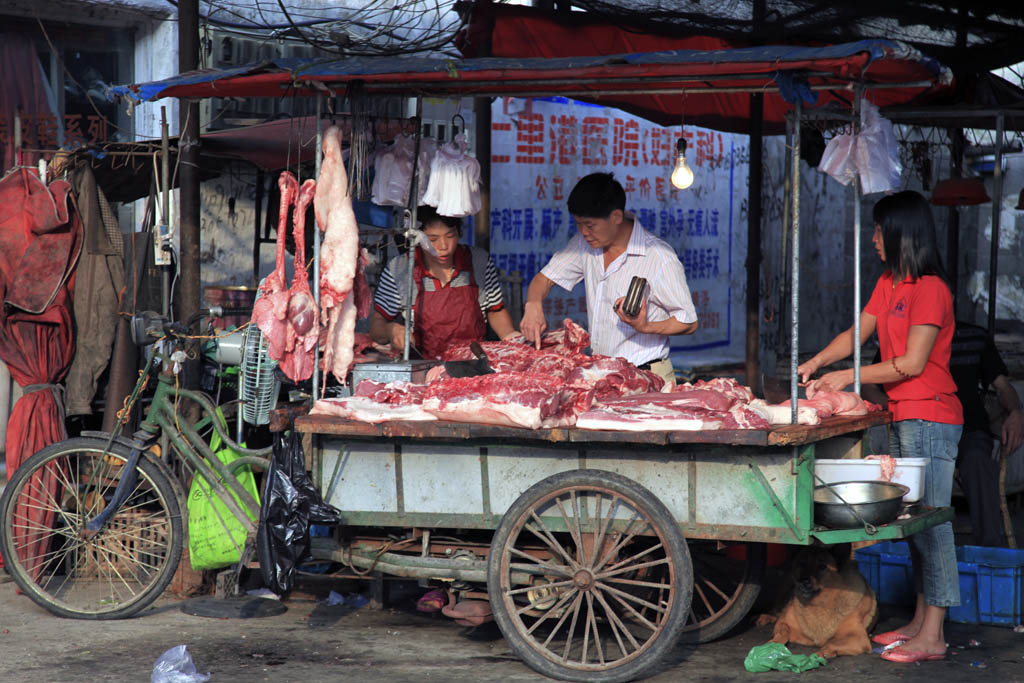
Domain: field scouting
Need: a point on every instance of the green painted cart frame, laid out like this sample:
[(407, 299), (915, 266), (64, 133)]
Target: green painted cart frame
[(547, 521)]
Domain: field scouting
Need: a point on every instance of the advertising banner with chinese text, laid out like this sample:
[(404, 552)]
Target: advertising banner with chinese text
[(541, 147)]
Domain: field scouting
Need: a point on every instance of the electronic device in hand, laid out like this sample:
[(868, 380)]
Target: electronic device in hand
[(634, 296)]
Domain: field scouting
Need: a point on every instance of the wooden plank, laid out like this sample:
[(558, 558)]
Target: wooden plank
[(281, 418), (795, 435), (730, 437), (787, 435), (327, 424)]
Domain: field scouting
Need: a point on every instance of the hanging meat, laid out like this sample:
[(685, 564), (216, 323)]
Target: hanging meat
[(270, 311), (302, 330), (339, 257)]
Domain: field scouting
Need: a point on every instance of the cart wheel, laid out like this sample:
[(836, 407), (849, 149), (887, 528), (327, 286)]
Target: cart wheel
[(726, 582), (589, 577)]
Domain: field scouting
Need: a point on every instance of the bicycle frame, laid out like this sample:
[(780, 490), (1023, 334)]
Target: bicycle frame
[(161, 417)]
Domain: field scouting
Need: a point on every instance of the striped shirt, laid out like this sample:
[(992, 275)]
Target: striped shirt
[(647, 256), (388, 301)]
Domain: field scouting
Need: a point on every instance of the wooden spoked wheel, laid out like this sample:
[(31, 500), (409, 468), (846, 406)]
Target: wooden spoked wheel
[(726, 582), (589, 577)]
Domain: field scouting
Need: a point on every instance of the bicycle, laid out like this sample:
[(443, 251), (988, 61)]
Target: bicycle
[(91, 527)]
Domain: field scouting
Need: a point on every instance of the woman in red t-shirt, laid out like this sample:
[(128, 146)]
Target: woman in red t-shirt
[(912, 311)]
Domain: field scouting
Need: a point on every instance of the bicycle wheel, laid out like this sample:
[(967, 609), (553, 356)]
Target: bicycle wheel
[(112, 574)]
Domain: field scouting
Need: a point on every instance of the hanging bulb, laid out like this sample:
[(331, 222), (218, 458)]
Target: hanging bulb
[(682, 174)]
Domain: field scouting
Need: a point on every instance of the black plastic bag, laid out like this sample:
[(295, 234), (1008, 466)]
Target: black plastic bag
[(290, 504)]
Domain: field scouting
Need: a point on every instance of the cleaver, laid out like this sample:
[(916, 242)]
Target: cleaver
[(470, 368), (777, 389)]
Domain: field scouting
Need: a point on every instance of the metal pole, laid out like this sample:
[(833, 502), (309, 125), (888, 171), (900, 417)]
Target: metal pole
[(256, 241), (783, 250), (856, 253), (188, 163), (190, 273), (165, 207), (482, 139), (794, 346), (754, 242), (410, 224), (997, 205), (316, 244), (956, 137)]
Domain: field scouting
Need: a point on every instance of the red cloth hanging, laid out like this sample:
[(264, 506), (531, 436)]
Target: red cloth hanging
[(40, 239)]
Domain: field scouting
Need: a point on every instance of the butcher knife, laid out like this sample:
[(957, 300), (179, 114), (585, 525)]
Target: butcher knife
[(778, 389), (470, 368)]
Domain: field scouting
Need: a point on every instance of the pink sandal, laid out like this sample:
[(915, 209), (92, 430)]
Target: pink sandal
[(432, 601)]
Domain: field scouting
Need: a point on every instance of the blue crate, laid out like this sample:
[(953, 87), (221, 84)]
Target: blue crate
[(887, 568), (991, 581)]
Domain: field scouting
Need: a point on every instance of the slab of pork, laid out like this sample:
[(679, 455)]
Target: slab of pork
[(302, 330), (270, 310), (339, 257)]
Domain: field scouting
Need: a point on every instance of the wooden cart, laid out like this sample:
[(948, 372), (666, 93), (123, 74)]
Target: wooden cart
[(598, 549)]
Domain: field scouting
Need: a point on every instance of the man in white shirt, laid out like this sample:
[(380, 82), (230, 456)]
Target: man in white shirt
[(610, 249)]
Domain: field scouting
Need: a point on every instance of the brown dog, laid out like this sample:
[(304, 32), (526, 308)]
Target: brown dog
[(832, 607)]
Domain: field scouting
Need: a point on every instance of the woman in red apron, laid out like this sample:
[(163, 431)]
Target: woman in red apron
[(456, 293)]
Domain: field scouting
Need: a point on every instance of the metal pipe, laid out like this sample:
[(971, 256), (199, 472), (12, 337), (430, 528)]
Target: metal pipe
[(997, 206), (754, 241), (856, 254), (794, 344), (482, 140), (165, 205), (256, 241), (190, 271), (956, 137), (504, 89), (411, 566), (411, 223), (783, 252), (317, 156)]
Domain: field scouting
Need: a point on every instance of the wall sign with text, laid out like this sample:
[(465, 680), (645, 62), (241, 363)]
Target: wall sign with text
[(541, 147)]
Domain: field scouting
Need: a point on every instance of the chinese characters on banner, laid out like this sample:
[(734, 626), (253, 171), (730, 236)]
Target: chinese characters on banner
[(540, 148), (44, 131)]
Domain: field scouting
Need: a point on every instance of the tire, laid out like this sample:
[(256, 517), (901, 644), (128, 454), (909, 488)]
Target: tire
[(117, 572), (726, 582), (630, 583)]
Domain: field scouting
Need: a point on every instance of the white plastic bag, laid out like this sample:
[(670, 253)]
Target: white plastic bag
[(876, 152), (838, 160), (176, 666)]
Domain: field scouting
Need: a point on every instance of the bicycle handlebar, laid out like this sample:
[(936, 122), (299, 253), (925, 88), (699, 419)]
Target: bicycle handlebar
[(148, 326)]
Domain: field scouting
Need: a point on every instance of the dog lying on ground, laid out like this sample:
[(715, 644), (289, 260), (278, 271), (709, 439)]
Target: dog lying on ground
[(832, 607)]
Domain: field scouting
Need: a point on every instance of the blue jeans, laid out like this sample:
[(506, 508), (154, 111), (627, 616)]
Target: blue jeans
[(932, 551)]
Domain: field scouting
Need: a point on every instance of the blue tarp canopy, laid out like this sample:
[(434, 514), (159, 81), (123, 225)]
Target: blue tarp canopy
[(716, 83)]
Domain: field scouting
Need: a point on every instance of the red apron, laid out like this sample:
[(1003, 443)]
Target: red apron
[(450, 314)]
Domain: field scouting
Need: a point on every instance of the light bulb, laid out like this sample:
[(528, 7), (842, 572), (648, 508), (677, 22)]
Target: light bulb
[(682, 174)]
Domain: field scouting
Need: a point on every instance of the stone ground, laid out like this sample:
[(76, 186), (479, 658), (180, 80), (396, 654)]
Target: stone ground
[(313, 642)]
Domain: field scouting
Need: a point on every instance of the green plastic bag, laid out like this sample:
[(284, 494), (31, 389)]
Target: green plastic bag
[(776, 656), (215, 536)]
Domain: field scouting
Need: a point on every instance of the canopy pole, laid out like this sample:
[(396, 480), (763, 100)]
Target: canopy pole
[(794, 348), (997, 206), (318, 162), (753, 371), (410, 224), (482, 141), (856, 252), (165, 209)]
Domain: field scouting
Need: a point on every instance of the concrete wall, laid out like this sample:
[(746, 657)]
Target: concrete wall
[(1010, 265), (826, 260)]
